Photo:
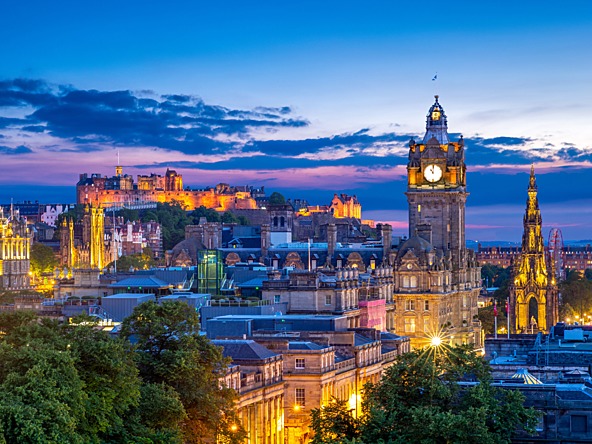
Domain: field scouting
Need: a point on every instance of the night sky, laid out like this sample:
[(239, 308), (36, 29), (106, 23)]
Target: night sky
[(307, 98)]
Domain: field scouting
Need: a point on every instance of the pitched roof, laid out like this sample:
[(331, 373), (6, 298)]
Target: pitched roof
[(304, 345), (244, 349), (141, 281)]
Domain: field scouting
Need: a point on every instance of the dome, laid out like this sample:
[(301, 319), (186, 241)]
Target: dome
[(417, 244), (187, 249)]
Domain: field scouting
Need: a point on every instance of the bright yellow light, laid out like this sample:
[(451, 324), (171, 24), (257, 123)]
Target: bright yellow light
[(436, 341), (233, 428), (296, 408)]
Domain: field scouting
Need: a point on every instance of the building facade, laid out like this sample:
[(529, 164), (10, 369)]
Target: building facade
[(120, 190), (533, 289), (437, 279), (15, 244)]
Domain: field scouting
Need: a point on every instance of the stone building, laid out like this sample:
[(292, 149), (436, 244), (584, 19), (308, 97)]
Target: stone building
[(437, 279), (15, 244), (343, 205), (256, 374), (534, 303), (125, 238), (315, 367), (120, 190), (364, 298), (82, 243)]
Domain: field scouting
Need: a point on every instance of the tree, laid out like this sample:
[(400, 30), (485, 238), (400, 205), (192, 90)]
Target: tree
[(140, 261), (43, 259), (277, 199), (75, 384), (210, 215), (576, 296), (171, 352), (333, 423), (419, 399)]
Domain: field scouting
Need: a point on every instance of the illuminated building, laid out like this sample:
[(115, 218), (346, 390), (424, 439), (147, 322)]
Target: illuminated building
[(533, 290), (82, 244), (15, 244), (343, 205), (256, 375), (120, 190), (437, 279)]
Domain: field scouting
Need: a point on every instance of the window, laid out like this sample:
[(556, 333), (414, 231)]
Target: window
[(426, 305), (276, 299), (300, 397), (409, 325), (579, 423), (410, 305), (427, 325), (300, 364), (328, 299), (405, 281), (413, 282)]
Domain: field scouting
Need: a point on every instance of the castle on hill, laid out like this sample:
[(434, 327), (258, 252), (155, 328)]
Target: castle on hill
[(121, 190)]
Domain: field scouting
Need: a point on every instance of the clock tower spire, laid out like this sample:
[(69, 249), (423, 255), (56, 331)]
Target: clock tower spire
[(437, 279), (436, 186)]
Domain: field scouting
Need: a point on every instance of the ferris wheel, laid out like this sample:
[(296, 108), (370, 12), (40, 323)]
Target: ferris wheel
[(555, 249)]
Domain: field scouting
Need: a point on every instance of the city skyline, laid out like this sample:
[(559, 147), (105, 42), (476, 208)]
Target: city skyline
[(307, 101)]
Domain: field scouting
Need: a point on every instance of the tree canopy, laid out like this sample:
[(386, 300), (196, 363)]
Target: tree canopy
[(72, 384), (43, 259), (576, 297), (419, 400), (172, 353), (277, 199), (75, 384)]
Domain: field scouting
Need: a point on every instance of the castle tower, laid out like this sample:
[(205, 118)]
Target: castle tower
[(437, 279), (533, 289)]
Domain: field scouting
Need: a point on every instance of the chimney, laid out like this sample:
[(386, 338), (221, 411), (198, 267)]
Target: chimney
[(386, 232), (265, 240), (331, 240)]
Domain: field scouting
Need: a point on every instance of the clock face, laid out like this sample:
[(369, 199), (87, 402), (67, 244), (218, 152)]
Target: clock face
[(436, 114), (432, 173)]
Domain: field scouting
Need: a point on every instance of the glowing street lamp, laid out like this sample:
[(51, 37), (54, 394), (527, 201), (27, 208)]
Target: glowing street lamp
[(436, 341)]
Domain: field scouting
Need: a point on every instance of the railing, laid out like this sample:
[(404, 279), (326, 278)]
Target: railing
[(348, 364), (236, 303)]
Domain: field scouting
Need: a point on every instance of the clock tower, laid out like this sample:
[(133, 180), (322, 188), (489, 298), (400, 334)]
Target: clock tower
[(436, 187), (437, 279)]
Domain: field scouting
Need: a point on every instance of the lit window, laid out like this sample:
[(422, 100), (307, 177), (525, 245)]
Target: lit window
[(300, 364), (409, 325), (427, 325), (300, 397)]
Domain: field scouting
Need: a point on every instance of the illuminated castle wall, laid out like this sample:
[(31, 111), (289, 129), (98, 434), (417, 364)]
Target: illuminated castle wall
[(15, 246), (121, 189)]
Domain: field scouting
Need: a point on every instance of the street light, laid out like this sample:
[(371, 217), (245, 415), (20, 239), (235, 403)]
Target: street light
[(436, 341)]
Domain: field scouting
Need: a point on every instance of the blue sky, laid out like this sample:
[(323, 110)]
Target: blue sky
[(308, 98)]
